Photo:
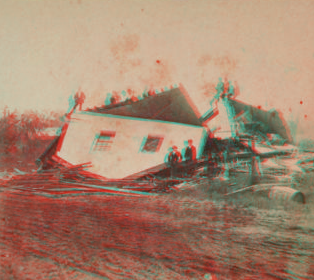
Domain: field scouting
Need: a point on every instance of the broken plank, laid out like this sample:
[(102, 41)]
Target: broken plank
[(116, 190)]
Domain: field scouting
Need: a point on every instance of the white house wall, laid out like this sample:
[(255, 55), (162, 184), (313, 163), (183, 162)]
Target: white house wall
[(221, 125), (124, 157)]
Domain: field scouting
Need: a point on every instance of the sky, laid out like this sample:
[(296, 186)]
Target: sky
[(49, 49)]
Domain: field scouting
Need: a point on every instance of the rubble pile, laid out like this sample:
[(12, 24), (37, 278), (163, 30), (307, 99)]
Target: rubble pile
[(62, 180)]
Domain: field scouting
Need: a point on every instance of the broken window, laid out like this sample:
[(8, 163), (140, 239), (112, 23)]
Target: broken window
[(103, 140), (151, 144)]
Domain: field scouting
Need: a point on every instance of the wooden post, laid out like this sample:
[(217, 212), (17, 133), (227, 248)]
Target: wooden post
[(225, 174)]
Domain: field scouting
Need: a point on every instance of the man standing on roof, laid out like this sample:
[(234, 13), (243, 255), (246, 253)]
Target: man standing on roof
[(231, 90), (115, 98), (79, 99), (151, 92), (225, 87), (220, 87), (132, 97), (124, 96)]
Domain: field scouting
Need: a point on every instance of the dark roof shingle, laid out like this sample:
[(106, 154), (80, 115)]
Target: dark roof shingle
[(171, 106)]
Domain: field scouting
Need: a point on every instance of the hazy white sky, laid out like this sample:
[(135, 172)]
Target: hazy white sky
[(50, 48)]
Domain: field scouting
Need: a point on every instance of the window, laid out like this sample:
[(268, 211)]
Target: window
[(103, 140), (151, 144)]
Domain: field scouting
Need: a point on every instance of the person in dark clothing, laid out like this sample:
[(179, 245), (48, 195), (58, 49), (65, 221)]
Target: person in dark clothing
[(174, 158), (190, 152), (108, 99), (151, 92), (189, 156), (79, 99), (225, 87), (230, 90), (220, 87), (115, 98)]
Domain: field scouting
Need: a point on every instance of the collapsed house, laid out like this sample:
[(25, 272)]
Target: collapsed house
[(131, 139), (230, 118)]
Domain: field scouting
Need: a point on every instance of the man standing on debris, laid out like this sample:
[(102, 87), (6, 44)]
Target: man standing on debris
[(225, 87), (190, 151), (174, 158), (220, 87), (231, 90), (189, 156)]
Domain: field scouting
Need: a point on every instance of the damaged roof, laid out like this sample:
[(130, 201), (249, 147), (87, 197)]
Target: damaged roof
[(272, 120), (173, 105)]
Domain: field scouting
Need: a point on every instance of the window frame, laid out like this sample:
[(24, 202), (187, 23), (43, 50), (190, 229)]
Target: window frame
[(145, 145), (105, 144)]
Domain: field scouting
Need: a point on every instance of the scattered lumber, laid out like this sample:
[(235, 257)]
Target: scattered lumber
[(61, 176)]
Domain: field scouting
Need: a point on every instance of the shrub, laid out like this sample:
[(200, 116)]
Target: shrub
[(18, 134)]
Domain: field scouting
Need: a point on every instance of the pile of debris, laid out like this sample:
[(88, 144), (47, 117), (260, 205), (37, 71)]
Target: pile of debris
[(63, 181)]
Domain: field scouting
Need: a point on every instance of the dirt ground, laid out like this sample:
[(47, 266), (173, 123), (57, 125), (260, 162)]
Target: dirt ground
[(189, 234)]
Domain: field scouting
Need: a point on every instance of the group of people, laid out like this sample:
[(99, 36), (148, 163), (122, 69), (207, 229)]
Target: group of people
[(224, 89), (126, 96), (189, 154), (113, 98)]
